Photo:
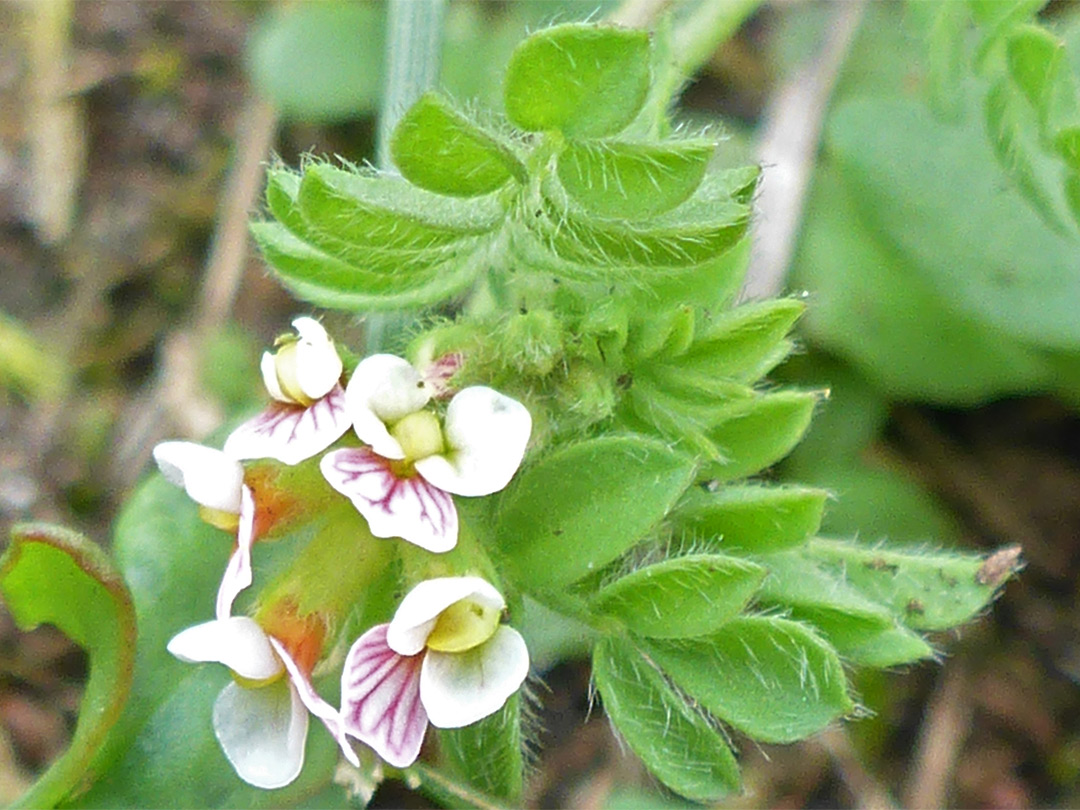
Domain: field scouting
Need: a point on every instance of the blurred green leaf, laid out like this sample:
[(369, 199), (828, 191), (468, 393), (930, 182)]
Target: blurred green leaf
[(320, 61), (872, 306), (681, 596), (681, 748), (439, 149), (631, 180), (1034, 57), (750, 519), (933, 191), (50, 575), (579, 508), (771, 678), (583, 80)]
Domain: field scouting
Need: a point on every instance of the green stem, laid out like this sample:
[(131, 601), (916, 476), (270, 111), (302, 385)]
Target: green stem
[(413, 50)]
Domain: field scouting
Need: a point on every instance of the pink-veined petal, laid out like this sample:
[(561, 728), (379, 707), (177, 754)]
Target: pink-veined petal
[(268, 367), (380, 698), (486, 433), (263, 732), (419, 610), (438, 372), (210, 477), (409, 508), (238, 575), (318, 365), (237, 642), (290, 433), (330, 716), (382, 390), (460, 688)]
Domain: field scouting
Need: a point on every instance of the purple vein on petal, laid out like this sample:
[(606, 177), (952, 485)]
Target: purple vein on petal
[(290, 433), (380, 698), (409, 508)]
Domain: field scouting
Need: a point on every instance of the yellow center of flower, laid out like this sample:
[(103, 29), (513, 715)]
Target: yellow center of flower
[(285, 360), (219, 518), (462, 626), (419, 435)]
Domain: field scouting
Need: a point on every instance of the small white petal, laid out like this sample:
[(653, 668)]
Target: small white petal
[(380, 698), (486, 433), (382, 390), (318, 366), (238, 572), (460, 688), (409, 508), (237, 642), (268, 367), (210, 477), (263, 732), (290, 433), (311, 699), (418, 611)]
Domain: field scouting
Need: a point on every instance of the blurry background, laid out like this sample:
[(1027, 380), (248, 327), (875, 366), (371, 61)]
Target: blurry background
[(907, 190)]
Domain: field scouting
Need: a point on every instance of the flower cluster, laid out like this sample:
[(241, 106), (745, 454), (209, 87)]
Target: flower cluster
[(446, 657)]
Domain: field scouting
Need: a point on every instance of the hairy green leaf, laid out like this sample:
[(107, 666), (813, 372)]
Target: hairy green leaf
[(751, 519), (386, 212), (439, 149), (889, 648), (773, 679), (696, 231), (583, 80), (743, 343), (680, 746), (632, 180), (925, 590), (846, 617), (329, 282), (752, 434), (50, 575), (682, 596), (488, 753), (579, 508)]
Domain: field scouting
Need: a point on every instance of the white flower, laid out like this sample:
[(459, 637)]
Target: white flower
[(402, 481), (308, 412), (215, 481), (261, 717), (444, 658)]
